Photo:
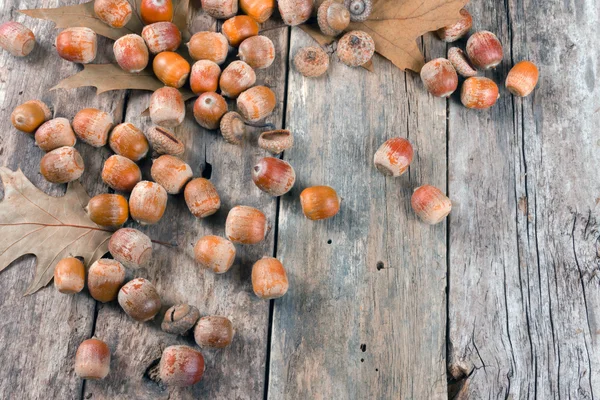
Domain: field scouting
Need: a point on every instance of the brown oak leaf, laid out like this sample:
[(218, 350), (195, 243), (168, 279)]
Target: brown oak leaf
[(51, 228)]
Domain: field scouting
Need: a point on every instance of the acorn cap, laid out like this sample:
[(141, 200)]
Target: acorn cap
[(360, 10), (276, 141), (233, 128), (163, 141), (311, 61), (356, 48), (333, 18)]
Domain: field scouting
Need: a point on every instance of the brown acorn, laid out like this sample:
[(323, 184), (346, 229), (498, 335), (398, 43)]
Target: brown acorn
[(92, 360), (105, 278), (92, 126), (430, 204), (128, 141), (62, 165), (17, 39), (214, 332), (108, 210), (78, 45), (201, 197), (237, 77), (205, 76), (167, 107), (484, 50), (273, 176), (220, 9), (120, 173), (171, 173), (439, 77), (162, 36), (139, 299), (211, 46), (311, 61), (148, 202), (30, 115), (130, 247), (181, 366), (333, 17), (256, 103), (54, 134), (208, 110), (179, 319), (257, 51)]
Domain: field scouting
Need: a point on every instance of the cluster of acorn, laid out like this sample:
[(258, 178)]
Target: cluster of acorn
[(483, 51)]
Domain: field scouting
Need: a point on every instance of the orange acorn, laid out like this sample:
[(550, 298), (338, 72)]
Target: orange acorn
[(522, 78), (78, 45), (115, 13), (201, 197), (273, 176), (319, 202), (479, 92), (128, 141), (205, 76), (394, 157), (211, 46), (162, 36), (260, 10), (171, 68), (430, 204), (156, 11), (214, 253), (209, 108), (246, 225), (120, 173), (269, 279), (239, 28)]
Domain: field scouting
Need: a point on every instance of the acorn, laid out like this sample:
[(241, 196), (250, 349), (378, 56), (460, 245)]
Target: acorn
[(167, 107), (17, 39), (62, 165), (522, 78), (114, 13), (220, 9), (139, 299), (181, 366), (439, 77), (171, 69), (211, 46), (479, 92), (273, 176), (360, 10), (208, 110), (461, 63), (277, 141), (164, 141), (171, 173), (201, 197), (162, 36), (108, 210), (129, 141), (213, 332), (430, 204), (179, 319), (333, 17), (457, 30), (260, 10), (105, 278), (205, 76), (239, 28), (92, 360), (54, 134), (269, 280), (311, 61), (131, 53), (484, 50), (295, 12), (30, 115), (92, 126), (130, 247), (256, 103), (214, 253), (394, 157), (246, 225), (356, 48), (120, 173), (148, 202), (319, 202), (257, 51), (237, 77), (153, 11), (233, 128), (69, 275), (78, 45)]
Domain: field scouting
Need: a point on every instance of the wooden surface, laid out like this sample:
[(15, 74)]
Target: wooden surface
[(499, 301)]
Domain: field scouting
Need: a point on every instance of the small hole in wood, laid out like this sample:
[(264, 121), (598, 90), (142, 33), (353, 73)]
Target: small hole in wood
[(376, 369), (380, 265), (329, 241), (363, 347), (207, 171), (362, 360)]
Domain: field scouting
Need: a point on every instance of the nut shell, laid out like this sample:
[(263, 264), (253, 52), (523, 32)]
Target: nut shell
[(257, 51), (69, 275), (167, 107), (457, 30), (148, 202), (214, 253), (277, 141), (62, 165), (92, 126), (295, 12), (171, 173), (180, 319), (394, 157), (211, 46), (129, 141), (181, 366), (479, 92), (220, 9), (237, 77), (209, 108), (260, 10), (54, 134), (162, 36), (78, 45), (356, 48), (214, 332), (16, 38), (153, 11), (92, 360), (233, 128), (439, 77), (205, 76), (360, 10), (130, 247), (109, 210), (461, 63), (139, 299), (256, 103), (120, 173), (311, 61), (333, 17), (484, 50), (164, 141), (202, 198), (522, 78), (430, 204), (171, 69), (131, 53), (30, 115), (114, 13), (319, 202), (273, 176), (269, 279), (239, 28), (105, 278), (246, 225)]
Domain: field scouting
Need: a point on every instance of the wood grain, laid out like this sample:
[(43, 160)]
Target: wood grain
[(364, 317)]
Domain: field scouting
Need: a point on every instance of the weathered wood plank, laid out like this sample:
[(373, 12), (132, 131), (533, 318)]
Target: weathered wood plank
[(524, 233), (365, 314), (40, 333), (237, 372)]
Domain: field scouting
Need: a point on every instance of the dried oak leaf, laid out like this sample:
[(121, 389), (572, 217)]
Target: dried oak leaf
[(395, 26), (51, 228)]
